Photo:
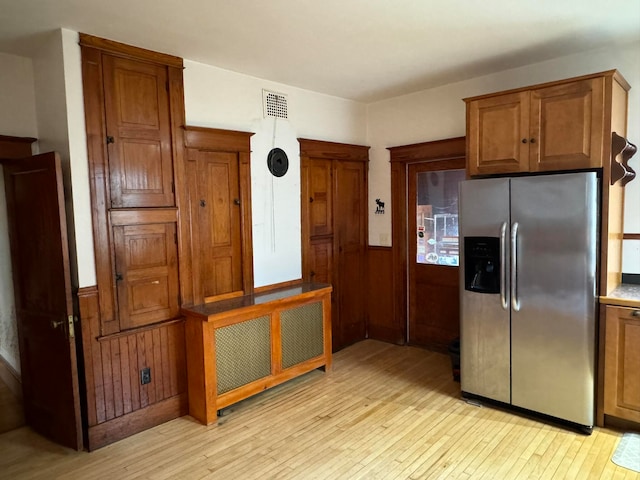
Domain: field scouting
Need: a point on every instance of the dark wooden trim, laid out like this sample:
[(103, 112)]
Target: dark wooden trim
[(441, 151), (333, 151), (217, 139), (127, 425), (136, 53), (631, 236), (15, 147), (137, 330), (273, 286), (607, 73), (428, 151)]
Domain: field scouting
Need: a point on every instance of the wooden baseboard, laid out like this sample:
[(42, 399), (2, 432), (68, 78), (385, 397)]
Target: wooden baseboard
[(386, 334), (11, 378), (135, 422)]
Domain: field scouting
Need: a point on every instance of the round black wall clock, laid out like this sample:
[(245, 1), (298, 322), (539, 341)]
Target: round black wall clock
[(278, 162)]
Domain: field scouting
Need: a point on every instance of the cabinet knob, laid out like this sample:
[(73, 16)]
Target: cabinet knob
[(524, 140), (635, 313), (533, 140)]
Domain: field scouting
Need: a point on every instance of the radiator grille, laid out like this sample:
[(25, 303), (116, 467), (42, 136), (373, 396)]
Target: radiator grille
[(302, 334), (243, 353)]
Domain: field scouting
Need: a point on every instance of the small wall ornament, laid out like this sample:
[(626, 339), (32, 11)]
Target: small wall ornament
[(379, 207)]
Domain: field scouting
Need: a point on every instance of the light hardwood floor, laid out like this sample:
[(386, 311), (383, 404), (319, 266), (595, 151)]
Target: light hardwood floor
[(384, 412)]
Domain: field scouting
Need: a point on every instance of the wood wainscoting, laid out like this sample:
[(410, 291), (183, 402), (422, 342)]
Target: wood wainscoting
[(118, 405), (382, 325)]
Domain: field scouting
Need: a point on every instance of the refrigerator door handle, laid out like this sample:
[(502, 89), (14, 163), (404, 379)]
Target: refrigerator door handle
[(503, 266), (515, 301)]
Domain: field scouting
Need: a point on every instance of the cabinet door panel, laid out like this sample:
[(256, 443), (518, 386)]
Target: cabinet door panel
[(351, 220), (147, 273), (496, 129), (567, 126), (622, 364), (219, 223), (320, 197), (321, 260), (139, 133)]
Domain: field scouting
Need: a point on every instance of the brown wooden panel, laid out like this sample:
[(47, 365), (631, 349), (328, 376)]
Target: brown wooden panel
[(381, 325), (321, 260), (351, 220), (129, 51), (320, 197), (216, 139), (138, 124), (147, 273), (567, 126), (15, 147)]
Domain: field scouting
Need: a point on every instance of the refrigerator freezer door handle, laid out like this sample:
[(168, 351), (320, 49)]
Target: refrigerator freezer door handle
[(503, 266), (515, 301)]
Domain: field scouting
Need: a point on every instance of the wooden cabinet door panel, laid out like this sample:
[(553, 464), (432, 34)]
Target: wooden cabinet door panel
[(219, 223), (320, 197), (321, 260), (497, 127), (147, 273), (138, 133), (622, 363), (567, 126), (351, 197)]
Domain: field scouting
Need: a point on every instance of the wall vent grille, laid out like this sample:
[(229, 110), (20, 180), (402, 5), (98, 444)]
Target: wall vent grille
[(275, 104)]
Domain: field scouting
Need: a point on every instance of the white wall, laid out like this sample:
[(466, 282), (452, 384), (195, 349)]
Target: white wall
[(222, 99), (439, 113), (17, 118)]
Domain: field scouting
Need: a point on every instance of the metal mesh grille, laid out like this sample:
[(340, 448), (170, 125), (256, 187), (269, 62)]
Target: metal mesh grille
[(302, 334), (243, 353), (275, 104)]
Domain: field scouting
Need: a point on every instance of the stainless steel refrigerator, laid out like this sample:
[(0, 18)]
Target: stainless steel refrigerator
[(528, 292)]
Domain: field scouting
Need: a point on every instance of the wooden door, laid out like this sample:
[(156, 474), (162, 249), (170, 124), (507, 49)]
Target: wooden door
[(497, 134), (433, 284), (567, 126), (220, 244), (138, 133), (350, 219), (42, 287)]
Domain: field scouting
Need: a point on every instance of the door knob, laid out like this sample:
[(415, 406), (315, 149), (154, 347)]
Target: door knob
[(55, 324)]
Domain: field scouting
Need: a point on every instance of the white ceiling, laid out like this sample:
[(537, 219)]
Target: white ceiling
[(364, 50)]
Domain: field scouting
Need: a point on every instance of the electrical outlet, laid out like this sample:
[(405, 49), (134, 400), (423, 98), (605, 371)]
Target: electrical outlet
[(145, 376)]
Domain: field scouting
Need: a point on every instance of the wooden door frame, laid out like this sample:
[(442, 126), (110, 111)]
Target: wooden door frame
[(401, 158)]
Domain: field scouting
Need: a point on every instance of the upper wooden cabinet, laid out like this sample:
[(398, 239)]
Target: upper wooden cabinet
[(552, 127), (138, 133)]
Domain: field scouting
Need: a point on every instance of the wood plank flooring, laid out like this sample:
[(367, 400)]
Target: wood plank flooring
[(384, 412)]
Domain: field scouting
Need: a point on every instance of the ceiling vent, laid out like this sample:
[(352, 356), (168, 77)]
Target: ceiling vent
[(275, 104)]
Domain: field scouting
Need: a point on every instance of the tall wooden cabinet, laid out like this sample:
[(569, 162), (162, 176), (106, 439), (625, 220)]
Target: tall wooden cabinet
[(134, 111), (334, 231)]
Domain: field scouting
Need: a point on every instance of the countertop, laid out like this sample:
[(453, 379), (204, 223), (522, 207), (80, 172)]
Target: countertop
[(625, 295)]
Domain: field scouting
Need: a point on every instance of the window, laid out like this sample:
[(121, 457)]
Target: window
[(437, 217)]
